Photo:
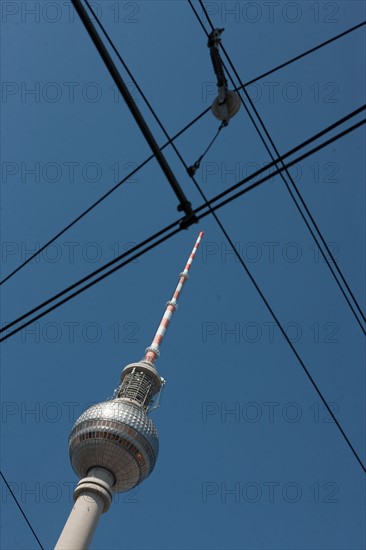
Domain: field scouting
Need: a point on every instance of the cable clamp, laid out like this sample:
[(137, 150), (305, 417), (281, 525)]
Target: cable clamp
[(214, 38), (193, 169)]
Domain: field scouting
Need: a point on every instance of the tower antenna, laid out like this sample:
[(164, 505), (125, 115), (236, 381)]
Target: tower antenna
[(153, 351)]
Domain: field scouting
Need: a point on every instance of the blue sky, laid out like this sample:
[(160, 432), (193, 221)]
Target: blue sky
[(248, 457)]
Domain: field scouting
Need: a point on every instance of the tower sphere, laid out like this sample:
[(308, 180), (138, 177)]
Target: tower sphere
[(116, 435)]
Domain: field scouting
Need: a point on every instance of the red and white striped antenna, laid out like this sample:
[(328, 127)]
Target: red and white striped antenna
[(153, 351)]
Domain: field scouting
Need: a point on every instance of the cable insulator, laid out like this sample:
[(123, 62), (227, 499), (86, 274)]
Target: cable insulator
[(217, 67), (214, 43)]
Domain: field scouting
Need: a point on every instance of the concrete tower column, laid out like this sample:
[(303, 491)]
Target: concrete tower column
[(92, 498)]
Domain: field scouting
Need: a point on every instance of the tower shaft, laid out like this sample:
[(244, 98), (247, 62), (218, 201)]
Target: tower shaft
[(92, 498)]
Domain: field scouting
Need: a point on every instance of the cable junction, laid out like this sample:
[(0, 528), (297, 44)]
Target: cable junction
[(193, 169)]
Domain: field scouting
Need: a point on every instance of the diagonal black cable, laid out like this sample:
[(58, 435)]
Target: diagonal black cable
[(196, 119), (330, 262), (277, 171), (195, 166), (308, 52), (171, 226), (102, 198), (21, 509), (279, 324), (183, 202), (87, 277), (100, 278)]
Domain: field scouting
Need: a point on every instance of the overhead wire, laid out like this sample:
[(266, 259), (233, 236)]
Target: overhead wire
[(304, 54), (183, 202), (283, 331), (84, 279), (134, 257), (199, 209), (21, 509), (195, 166), (171, 226), (98, 201), (176, 136), (330, 261)]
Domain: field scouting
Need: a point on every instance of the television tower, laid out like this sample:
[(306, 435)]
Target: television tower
[(114, 445)]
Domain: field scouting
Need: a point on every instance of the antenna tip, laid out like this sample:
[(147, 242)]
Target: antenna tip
[(201, 234)]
